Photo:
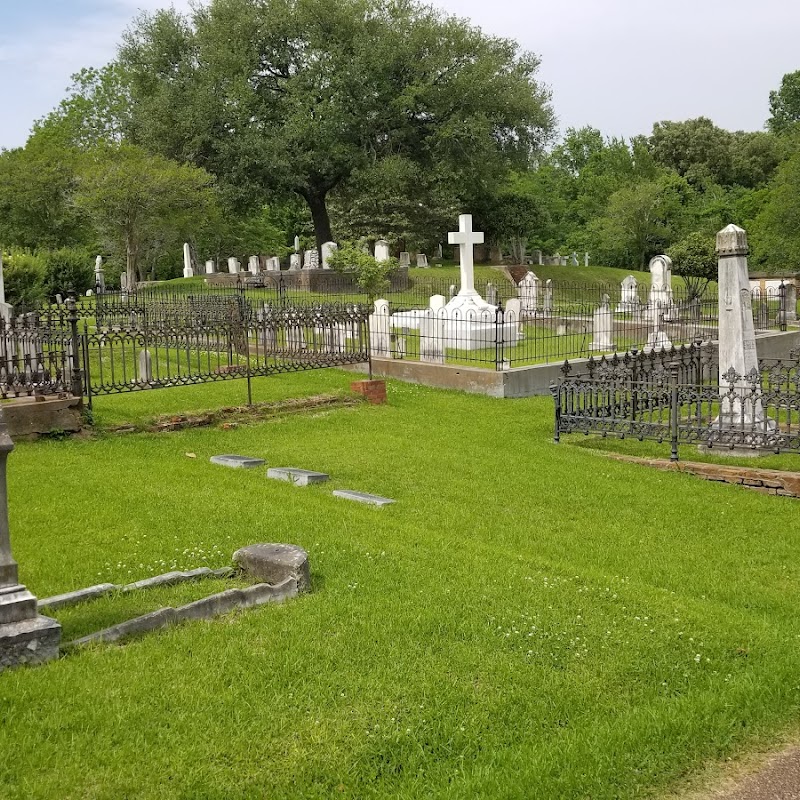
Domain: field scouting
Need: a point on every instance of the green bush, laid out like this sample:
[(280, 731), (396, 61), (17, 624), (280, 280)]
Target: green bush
[(67, 268), (371, 276), (23, 274)]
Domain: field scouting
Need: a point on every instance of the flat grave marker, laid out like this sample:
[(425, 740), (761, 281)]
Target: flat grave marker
[(238, 462), (299, 477), (363, 497)]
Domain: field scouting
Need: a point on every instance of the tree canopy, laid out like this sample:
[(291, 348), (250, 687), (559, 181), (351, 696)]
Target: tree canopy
[(296, 95)]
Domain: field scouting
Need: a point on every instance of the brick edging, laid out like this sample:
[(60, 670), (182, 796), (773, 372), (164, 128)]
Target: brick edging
[(768, 481)]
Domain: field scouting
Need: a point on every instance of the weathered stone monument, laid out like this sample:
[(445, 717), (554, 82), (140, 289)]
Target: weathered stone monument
[(491, 294), (295, 262), (99, 275), (405, 259), (381, 250), (233, 265), (188, 270), (661, 283), (254, 265), (603, 326), (311, 259), (629, 299), (528, 292), (547, 306), (585, 259), (573, 259), (26, 637), (328, 249), (466, 239), (210, 267), (422, 260)]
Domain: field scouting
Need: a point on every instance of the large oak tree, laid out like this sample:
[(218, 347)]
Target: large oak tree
[(297, 95)]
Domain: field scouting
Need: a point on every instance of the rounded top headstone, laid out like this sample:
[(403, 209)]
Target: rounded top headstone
[(732, 241)]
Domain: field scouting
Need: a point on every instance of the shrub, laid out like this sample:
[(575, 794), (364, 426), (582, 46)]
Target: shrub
[(23, 274), (67, 268), (371, 276)]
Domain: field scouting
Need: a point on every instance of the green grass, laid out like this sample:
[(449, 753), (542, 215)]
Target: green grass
[(527, 620)]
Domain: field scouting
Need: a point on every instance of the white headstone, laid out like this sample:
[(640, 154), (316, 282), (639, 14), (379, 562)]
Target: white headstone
[(210, 266), (89, 292), (99, 277), (573, 259), (253, 265), (661, 283), (491, 294), (297, 244), (452, 290), (145, 367), (294, 261), (603, 326), (422, 260), (381, 250), (328, 249), (438, 301), (466, 239), (380, 330), (585, 259), (188, 270), (547, 306), (273, 264), (233, 265), (405, 259), (657, 339), (513, 312), (432, 336), (528, 291), (629, 298), (311, 259)]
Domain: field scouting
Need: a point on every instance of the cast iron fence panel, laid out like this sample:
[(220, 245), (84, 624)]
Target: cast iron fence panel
[(758, 411)]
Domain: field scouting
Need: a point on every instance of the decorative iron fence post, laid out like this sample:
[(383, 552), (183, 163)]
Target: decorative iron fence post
[(76, 383), (556, 389), (499, 328), (782, 307), (673, 413)]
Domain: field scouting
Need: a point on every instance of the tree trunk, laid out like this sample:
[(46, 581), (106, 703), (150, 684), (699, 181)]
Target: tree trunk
[(130, 262), (319, 215)]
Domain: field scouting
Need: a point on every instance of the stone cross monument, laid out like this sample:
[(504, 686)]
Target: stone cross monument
[(466, 239), (25, 636)]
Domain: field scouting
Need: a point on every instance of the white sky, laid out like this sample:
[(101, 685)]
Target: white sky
[(618, 65)]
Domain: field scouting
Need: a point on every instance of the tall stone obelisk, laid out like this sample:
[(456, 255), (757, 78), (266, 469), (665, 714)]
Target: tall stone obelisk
[(26, 637)]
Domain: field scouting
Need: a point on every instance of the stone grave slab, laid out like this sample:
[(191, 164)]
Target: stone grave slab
[(238, 462), (299, 477), (273, 563), (363, 497)]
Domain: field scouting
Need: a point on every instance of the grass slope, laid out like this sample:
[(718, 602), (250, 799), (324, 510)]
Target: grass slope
[(527, 620)]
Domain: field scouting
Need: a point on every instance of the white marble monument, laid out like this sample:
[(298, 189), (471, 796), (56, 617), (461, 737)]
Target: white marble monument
[(381, 251), (188, 270), (254, 265), (528, 293), (661, 284), (380, 330), (629, 300), (328, 249), (99, 275), (233, 265), (603, 338)]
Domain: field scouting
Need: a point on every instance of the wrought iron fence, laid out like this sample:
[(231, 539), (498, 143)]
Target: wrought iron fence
[(758, 411)]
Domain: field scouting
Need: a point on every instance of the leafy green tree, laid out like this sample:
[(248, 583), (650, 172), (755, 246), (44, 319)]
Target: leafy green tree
[(696, 149), (279, 96), (67, 268), (137, 200), (776, 231), (371, 276), (784, 104), (23, 276), (695, 260)]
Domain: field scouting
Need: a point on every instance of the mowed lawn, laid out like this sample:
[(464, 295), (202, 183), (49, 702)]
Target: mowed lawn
[(530, 620)]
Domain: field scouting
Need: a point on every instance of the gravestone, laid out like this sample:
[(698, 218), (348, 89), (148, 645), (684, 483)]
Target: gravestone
[(380, 330), (381, 251), (528, 292), (661, 283), (144, 372), (59, 299), (328, 249), (188, 270), (237, 462), (273, 264), (657, 339), (466, 238), (99, 276), (254, 265), (491, 294), (233, 265), (437, 301), (25, 636), (513, 312), (452, 290), (299, 477), (89, 292), (547, 305), (211, 267), (603, 326), (573, 259), (585, 259), (405, 259), (311, 259), (274, 563), (297, 244), (439, 252), (294, 262), (363, 497), (422, 260), (629, 298), (791, 302), (431, 335)]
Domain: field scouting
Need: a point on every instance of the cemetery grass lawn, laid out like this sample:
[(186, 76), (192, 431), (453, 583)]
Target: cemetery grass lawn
[(528, 620)]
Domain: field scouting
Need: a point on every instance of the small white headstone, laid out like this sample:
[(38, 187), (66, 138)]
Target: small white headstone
[(438, 301), (452, 290), (89, 292), (431, 336), (99, 277), (491, 294), (273, 264), (585, 259), (528, 291), (661, 283), (311, 259), (210, 266), (253, 265), (629, 299), (548, 297), (233, 265), (294, 261), (422, 260), (513, 312), (145, 367), (381, 250), (328, 249), (380, 330), (405, 259), (603, 326)]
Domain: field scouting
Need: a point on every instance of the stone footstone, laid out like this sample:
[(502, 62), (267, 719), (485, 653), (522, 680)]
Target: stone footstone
[(238, 462), (299, 477), (363, 497), (31, 641), (274, 563)]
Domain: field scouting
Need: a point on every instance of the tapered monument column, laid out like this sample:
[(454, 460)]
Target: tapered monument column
[(25, 636)]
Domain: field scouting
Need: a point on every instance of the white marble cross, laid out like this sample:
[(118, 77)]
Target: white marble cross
[(466, 238)]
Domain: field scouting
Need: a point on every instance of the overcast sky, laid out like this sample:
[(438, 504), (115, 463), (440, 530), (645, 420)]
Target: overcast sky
[(618, 65)]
